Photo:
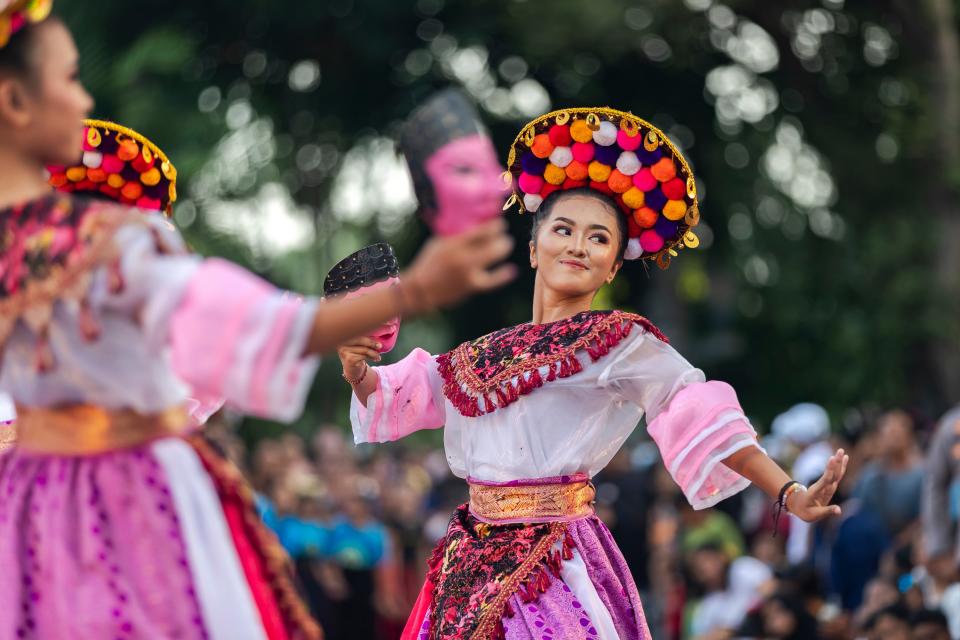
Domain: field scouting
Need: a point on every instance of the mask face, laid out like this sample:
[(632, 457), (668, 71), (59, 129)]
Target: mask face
[(466, 177), (386, 334)]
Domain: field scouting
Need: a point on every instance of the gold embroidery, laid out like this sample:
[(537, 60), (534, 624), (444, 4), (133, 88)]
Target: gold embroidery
[(536, 503)]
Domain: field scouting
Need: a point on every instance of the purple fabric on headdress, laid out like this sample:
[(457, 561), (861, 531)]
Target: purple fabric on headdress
[(532, 164), (648, 158), (655, 199), (606, 155), (666, 229)]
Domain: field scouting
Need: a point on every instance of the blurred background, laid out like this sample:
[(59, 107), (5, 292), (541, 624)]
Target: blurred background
[(826, 141)]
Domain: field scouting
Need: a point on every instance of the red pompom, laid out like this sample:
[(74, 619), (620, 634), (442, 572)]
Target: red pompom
[(141, 165), (560, 135), (674, 189), (645, 217), (633, 229), (602, 187), (548, 189), (570, 183), (107, 190), (86, 185)]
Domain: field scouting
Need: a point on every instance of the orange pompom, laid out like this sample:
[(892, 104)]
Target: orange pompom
[(645, 217), (576, 170), (96, 175), (115, 180), (57, 180), (151, 177), (599, 172), (619, 183), (542, 147), (664, 170), (128, 150), (554, 174), (76, 174), (132, 190), (634, 198), (674, 209), (580, 132)]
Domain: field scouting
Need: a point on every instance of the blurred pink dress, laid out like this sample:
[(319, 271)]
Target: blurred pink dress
[(114, 523)]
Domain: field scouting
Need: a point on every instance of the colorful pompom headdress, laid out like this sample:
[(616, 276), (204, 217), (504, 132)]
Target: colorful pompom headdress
[(369, 265), (16, 14), (120, 164), (620, 155)]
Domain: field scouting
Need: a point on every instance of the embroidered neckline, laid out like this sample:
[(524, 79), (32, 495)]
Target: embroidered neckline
[(48, 249), (494, 370)]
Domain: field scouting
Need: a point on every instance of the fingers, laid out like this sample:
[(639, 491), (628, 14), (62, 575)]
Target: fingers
[(487, 280), (813, 514), (493, 251), (355, 354), (484, 232)]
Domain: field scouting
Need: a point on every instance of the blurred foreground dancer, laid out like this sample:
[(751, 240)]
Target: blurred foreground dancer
[(113, 524)]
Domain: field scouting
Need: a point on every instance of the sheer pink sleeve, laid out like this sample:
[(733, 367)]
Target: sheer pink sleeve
[(409, 397), (696, 424), (702, 426), (235, 336)]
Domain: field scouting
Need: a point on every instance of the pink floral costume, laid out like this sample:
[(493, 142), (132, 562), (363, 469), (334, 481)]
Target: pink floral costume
[(530, 414)]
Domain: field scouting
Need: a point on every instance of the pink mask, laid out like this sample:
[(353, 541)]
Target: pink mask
[(386, 334), (466, 177)]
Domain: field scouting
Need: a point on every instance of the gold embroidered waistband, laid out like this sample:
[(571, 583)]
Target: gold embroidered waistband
[(88, 429), (544, 502)]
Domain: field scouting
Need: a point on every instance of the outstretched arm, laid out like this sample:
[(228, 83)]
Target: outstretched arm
[(810, 505)]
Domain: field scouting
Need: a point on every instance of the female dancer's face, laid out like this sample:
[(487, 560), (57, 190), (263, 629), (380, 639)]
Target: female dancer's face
[(42, 110), (575, 250)]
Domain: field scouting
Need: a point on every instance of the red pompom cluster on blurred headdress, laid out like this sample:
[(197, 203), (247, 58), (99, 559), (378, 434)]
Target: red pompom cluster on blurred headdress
[(617, 154), (16, 14), (122, 165)]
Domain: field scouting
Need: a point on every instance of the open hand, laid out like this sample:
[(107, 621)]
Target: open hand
[(814, 503)]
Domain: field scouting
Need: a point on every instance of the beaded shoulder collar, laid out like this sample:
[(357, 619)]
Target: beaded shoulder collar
[(494, 370)]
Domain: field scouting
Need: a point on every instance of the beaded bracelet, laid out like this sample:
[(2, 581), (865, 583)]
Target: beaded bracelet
[(363, 375)]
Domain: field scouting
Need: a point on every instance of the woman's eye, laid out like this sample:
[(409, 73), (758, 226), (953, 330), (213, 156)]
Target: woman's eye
[(600, 238), (564, 231)]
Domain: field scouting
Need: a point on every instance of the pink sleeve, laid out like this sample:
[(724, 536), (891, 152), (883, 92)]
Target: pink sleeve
[(235, 336), (701, 426), (408, 398)]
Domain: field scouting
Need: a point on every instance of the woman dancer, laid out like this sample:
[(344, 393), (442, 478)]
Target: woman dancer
[(113, 524), (530, 413)]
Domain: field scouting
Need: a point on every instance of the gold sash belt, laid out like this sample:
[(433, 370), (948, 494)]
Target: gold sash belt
[(87, 429), (535, 502)]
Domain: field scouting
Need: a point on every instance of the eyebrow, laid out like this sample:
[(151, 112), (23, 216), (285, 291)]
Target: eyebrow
[(573, 224)]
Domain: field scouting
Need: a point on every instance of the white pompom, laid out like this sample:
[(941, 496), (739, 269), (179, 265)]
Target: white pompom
[(606, 135), (561, 156), (634, 250), (628, 163), (92, 159), (532, 202)]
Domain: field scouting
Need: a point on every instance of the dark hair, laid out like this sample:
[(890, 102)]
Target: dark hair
[(15, 56), (551, 201), (929, 616), (896, 610)]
